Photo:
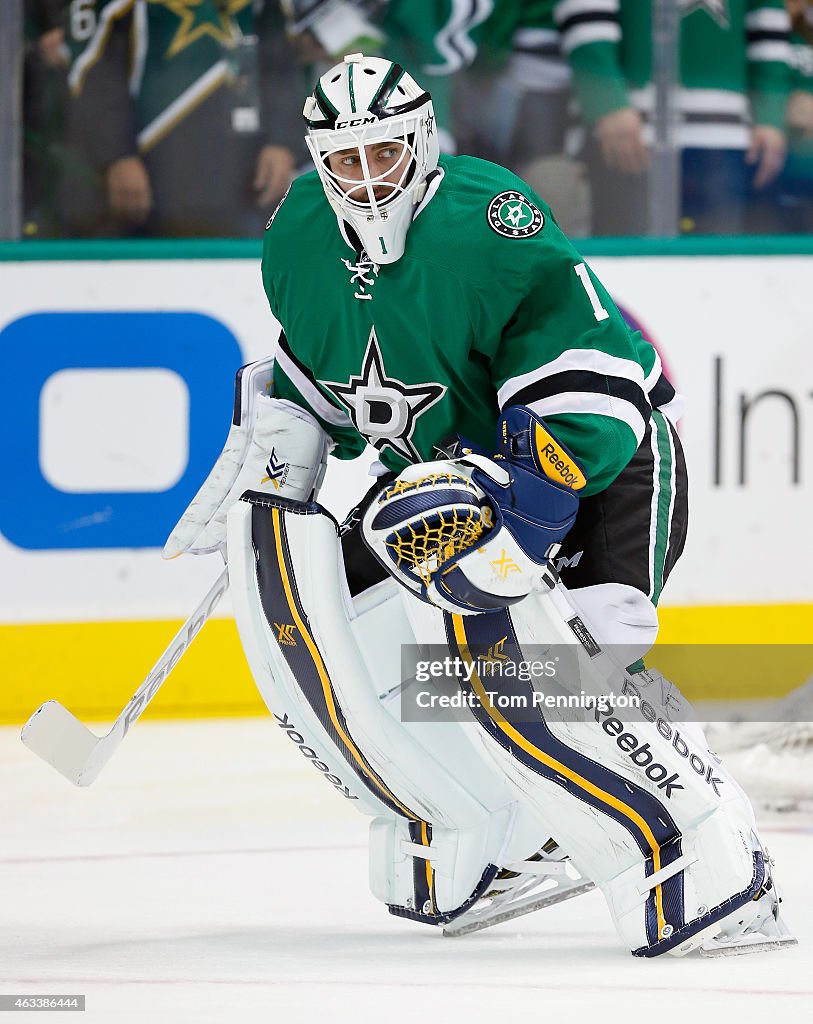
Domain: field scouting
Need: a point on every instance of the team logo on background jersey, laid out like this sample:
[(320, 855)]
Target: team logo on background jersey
[(383, 409), (514, 216), (717, 9)]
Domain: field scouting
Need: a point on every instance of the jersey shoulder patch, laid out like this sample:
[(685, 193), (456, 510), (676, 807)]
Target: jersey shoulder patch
[(512, 214)]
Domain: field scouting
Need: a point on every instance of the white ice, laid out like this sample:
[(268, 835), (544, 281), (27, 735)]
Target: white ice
[(211, 874)]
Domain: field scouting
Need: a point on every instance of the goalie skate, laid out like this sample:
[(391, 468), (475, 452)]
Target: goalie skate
[(756, 928), (542, 880)]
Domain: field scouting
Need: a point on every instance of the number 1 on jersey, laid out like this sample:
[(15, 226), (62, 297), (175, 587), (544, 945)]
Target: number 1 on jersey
[(583, 275)]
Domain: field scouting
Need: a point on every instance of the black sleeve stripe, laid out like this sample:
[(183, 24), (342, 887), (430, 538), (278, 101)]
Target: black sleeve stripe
[(286, 348), (588, 17), (766, 35), (661, 393), (585, 380)]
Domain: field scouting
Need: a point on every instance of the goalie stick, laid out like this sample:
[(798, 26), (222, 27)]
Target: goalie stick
[(59, 738)]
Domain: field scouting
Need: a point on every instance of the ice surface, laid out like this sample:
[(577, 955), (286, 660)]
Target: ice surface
[(211, 874)]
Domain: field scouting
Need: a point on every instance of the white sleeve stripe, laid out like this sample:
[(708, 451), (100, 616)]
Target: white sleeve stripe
[(312, 395), (582, 35), (568, 8), (673, 410), (768, 18), (651, 378), (770, 50), (581, 402), (534, 37), (574, 359)]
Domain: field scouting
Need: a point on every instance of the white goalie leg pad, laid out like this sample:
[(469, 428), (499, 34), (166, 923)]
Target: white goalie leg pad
[(434, 840), (650, 818), (382, 626), (273, 446), (625, 623)]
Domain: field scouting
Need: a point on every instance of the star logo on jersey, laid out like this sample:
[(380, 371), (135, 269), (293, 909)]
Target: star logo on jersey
[(383, 409), (204, 18), (717, 9), (514, 216)]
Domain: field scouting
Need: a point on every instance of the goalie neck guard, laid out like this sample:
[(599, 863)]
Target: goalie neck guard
[(363, 102)]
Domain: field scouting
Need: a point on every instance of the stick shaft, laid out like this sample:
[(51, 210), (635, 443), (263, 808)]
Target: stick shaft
[(172, 655), (59, 738)]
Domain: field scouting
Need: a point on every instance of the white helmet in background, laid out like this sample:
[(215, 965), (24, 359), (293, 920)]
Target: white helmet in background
[(366, 101)]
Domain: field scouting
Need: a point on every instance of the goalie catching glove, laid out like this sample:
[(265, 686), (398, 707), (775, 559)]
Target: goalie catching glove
[(272, 446), (475, 534)]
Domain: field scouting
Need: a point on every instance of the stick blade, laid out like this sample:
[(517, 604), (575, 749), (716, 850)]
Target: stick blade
[(59, 738)]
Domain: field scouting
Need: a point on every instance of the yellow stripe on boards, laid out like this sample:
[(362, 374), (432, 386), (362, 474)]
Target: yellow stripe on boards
[(735, 652), (95, 667)]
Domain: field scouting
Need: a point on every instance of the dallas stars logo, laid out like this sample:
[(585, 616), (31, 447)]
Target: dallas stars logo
[(384, 409), (514, 216), (204, 17), (717, 9)]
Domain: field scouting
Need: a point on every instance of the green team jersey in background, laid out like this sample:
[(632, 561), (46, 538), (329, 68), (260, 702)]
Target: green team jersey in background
[(733, 63), (799, 164), (490, 306)]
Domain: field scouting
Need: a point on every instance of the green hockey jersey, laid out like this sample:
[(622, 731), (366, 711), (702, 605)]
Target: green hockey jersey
[(490, 306), (800, 148), (733, 64), (180, 53)]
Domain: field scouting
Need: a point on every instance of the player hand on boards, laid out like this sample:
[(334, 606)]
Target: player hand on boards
[(272, 446), (475, 534), (621, 139), (129, 191), (799, 113), (768, 150), (273, 174)]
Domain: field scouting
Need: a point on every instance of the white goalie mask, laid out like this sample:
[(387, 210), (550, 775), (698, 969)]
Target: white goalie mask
[(365, 102)]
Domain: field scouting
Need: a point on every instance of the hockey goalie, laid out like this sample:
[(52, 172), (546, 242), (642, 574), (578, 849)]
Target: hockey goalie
[(530, 495)]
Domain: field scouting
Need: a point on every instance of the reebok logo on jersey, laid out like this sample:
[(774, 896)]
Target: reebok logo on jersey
[(554, 461), (514, 216)]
